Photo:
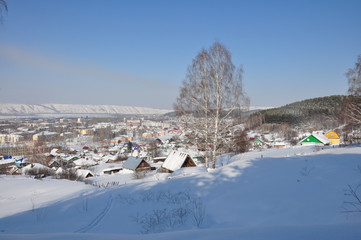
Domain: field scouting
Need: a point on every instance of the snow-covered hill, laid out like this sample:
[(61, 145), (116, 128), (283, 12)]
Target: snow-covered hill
[(296, 193), (11, 109)]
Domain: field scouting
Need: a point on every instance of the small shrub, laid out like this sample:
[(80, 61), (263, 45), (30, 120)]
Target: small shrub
[(181, 209), (139, 175)]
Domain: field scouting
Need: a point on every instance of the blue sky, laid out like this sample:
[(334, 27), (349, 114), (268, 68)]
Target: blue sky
[(136, 52)]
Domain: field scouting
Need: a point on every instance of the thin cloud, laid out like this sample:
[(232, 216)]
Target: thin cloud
[(37, 61)]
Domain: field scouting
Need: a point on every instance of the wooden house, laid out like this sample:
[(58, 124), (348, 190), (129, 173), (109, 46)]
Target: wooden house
[(333, 137), (177, 160), (136, 164)]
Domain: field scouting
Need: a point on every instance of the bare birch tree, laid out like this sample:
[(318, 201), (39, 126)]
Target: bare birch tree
[(211, 98), (353, 101)]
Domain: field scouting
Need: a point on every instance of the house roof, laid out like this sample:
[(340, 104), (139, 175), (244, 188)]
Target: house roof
[(315, 138), (256, 140), (332, 135), (55, 152), (85, 162), (84, 173), (175, 160), (132, 163)]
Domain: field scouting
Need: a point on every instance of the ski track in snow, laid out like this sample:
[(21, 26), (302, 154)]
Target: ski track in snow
[(98, 218)]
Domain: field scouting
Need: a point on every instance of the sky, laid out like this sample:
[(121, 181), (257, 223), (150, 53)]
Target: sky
[(136, 53)]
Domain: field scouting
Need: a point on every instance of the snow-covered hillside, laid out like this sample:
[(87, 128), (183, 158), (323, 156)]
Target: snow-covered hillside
[(296, 193), (10, 109)]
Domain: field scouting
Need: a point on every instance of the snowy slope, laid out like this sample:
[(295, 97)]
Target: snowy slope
[(295, 193), (73, 109)]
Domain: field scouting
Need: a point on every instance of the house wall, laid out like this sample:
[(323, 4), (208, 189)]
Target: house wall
[(334, 140), (143, 166), (333, 137)]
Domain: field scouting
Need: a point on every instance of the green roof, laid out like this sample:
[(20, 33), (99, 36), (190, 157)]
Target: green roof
[(257, 140), (311, 139)]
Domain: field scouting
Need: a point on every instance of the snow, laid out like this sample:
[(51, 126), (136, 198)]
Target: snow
[(7, 161), (12, 109), (292, 193), (20, 194), (85, 162)]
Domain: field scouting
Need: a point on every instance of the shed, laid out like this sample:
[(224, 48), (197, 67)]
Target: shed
[(333, 137), (136, 164), (315, 139), (177, 160)]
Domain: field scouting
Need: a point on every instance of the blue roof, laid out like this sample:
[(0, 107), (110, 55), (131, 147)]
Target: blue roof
[(132, 163)]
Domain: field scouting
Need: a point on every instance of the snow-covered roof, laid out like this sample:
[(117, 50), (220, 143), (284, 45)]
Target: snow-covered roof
[(7, 161), (322, 138), (46, 133), (175, 160), (112, 169), (85, 162), (84, 173), (55, 152)]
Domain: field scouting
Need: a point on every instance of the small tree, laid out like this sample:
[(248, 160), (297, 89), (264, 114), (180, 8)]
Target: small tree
[(353, 101), (354, 78), (353, 204), (240, 142)]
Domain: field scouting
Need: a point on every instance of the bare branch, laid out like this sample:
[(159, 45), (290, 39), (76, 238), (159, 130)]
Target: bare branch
[(3, 8), (212, 92)]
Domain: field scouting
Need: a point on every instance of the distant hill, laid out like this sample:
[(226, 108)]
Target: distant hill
[(302, 111), (59, 110)]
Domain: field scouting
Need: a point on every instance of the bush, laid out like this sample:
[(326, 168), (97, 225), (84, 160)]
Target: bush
[(39, 172), (70, 174), (139, 175)]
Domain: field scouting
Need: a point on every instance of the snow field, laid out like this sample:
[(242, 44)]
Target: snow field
[(294, 193)]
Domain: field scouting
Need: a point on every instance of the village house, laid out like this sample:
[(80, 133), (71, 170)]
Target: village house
[(177, 160), (257, 143), (315, 139), (136, 164), (333, 137)]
